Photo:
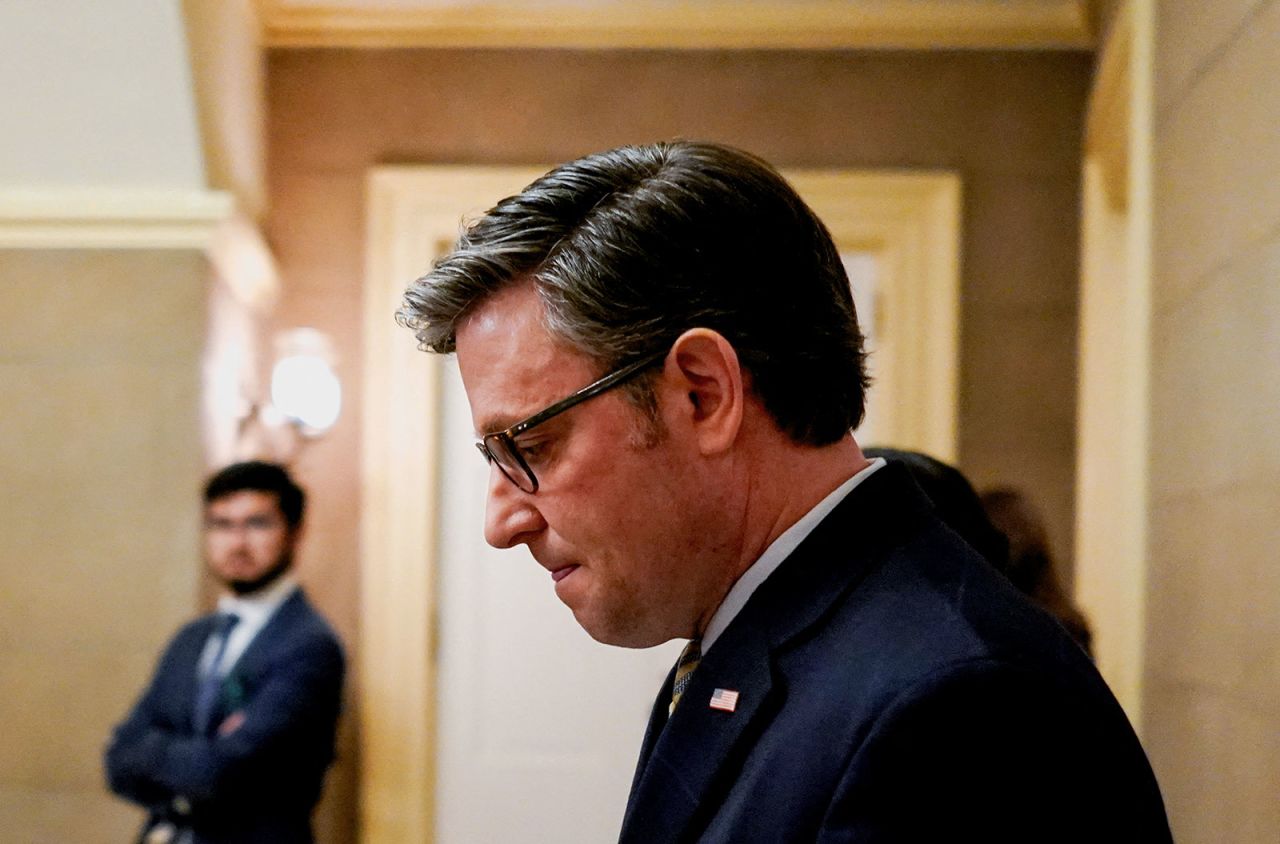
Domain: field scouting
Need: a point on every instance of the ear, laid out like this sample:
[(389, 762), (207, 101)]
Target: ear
[(709, 377)]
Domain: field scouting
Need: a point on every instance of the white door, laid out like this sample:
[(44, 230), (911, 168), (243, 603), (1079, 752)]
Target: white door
[(538, 725)]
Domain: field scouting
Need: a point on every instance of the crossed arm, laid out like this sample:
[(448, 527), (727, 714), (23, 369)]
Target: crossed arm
[(285, 720)]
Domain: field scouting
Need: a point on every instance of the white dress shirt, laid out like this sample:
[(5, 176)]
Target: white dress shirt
[(254, 611)]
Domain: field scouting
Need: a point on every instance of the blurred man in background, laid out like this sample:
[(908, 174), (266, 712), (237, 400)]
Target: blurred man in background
[(231, 739)]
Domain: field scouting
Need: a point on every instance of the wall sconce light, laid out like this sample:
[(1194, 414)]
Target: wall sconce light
[(306, 397), (304, 388)]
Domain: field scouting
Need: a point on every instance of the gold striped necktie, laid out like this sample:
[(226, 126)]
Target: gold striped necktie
[(684, 670)]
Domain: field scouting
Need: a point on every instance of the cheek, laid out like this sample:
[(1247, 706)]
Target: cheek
[(215, 549), (630, 503), (267, 547)]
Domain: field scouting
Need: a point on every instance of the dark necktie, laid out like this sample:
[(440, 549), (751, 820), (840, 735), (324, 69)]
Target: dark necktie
[(211, 680), (689, 659)]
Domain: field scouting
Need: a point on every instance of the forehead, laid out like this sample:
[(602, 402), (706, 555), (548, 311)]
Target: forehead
[(245, 502), (511, 366)]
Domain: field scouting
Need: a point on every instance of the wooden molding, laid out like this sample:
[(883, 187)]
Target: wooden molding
[(686, 24), (244, 261), (1107, 121), (228, 79), (1113, 440), (397, 675), (910, 221), (100, 218), (82, 218)]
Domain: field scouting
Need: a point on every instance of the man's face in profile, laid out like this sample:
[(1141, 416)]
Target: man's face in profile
[(615, 519), (247, 541)]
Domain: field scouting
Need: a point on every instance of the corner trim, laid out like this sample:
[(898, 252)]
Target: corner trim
[(689, 24)]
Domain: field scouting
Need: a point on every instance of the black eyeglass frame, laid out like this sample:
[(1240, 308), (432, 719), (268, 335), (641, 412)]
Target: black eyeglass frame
[(506, 440)]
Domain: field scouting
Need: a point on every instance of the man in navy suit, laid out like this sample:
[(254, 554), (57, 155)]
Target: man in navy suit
[(231, 739), (664, 367)]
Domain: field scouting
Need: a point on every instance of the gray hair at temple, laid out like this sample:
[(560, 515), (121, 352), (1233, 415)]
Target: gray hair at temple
[(629, 248)]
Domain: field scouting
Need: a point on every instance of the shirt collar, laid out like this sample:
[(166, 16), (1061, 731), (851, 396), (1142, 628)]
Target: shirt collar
[(253, 609)]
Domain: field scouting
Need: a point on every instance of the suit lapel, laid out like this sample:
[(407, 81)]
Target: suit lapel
[(689, 753), (234, 689), (188, 680), (657, 721), (284, 617), (687, 766)]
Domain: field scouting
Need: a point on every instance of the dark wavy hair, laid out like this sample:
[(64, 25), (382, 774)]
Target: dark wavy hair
[(259, 476), (629, 248)]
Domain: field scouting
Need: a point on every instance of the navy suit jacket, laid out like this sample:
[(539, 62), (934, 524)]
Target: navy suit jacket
[(892, 687), (260, 782)]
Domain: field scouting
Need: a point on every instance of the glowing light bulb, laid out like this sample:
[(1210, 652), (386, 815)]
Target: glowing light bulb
[(304, 387)]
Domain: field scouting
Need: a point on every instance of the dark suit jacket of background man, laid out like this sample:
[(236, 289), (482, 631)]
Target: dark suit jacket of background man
[(893, 687), (261, 782)]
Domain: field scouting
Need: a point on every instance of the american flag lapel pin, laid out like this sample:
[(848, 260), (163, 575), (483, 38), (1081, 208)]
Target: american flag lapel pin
[(726, 700)]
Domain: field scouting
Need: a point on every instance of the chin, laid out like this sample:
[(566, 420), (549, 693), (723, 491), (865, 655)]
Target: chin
[(244, 587), (261, 579), (610, 634)]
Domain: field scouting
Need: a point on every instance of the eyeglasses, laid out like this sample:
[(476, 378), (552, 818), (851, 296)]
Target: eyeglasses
[(253, 524), (500, 447)]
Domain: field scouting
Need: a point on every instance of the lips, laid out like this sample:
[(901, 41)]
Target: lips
[(561, 573)]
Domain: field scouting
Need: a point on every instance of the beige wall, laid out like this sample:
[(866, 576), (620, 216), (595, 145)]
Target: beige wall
[(100, 453), (1009, 124), (1212, 700)]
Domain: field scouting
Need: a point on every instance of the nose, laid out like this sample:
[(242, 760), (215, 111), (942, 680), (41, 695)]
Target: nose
[(510, 517), (237, 536)]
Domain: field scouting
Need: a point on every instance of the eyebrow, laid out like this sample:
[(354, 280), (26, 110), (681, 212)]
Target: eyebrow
[(501, 421), (504, 422), (496, 424)]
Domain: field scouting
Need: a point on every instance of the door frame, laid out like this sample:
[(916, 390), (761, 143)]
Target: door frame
[(1113, 403)]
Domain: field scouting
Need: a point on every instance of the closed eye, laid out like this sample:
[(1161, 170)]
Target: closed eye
[(534, 450)]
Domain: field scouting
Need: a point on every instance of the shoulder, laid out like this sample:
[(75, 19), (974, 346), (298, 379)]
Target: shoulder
[(933, 609), (1003, 747), (193, 632), (301, 625), (932, 663), (913, 611), (184, 647)]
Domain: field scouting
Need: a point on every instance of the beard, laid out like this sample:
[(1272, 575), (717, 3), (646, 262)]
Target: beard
[(271, 575)]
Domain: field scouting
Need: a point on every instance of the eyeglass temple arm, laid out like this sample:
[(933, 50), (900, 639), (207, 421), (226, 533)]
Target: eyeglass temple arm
[(591, 390)]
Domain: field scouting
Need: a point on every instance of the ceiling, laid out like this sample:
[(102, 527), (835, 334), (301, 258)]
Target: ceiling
[(89, 102)]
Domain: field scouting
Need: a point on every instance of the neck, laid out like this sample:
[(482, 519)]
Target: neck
[(777, 486), (790, 484), (260, 584)]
